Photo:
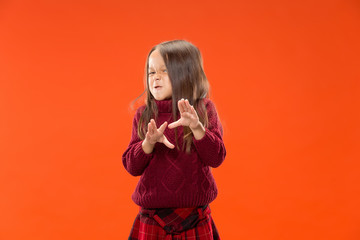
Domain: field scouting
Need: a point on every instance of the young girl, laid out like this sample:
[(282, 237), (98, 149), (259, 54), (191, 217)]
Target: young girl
[(174, 160)]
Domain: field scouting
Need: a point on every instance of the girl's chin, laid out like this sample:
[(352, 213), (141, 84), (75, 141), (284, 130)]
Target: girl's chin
[(160, 98)]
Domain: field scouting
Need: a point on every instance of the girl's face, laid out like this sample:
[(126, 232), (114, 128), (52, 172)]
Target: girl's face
[(159, 81)]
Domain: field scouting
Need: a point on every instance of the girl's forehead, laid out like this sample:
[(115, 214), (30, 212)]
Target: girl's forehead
[(157, 66), (155, 54), (156, 60)]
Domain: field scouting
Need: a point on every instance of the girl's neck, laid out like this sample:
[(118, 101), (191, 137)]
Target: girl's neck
[(164, 105)]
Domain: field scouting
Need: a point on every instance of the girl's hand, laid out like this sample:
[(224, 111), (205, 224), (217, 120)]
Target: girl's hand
[(155, 135), (188, 117)]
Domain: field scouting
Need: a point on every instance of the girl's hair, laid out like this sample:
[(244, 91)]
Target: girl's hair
[(188, 80)]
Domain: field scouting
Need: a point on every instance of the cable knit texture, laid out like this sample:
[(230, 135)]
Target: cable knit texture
[(171, 178)]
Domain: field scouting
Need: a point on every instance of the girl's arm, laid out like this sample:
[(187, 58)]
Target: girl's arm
[(134, 159), (210, 147)]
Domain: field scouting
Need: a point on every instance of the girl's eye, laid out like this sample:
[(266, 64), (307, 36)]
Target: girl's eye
[(151, 72), (165, 70)]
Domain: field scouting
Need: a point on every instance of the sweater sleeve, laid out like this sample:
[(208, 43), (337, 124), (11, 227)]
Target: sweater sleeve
[(134, 159), (211, 148)]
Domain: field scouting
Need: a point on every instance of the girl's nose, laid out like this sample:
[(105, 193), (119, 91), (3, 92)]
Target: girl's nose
[(157, 76)]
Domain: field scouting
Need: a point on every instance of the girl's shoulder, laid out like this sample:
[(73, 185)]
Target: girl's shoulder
[(139, 111), (141, 108), (208, 103)]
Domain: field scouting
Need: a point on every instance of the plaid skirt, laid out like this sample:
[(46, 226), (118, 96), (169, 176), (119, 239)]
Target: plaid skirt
[(174, 224)]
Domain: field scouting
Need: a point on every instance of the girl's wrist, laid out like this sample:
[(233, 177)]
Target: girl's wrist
[(197, 126), (147, 146), (198, 131)]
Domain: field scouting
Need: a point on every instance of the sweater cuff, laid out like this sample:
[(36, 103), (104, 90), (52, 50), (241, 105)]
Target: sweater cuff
[(204, 140), (140, 152)]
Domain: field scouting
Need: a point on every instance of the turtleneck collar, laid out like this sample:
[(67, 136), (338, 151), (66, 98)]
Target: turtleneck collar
[(164, 105)]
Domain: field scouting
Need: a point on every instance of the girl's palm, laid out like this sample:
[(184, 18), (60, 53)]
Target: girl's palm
[(155, 135), (188, 115)]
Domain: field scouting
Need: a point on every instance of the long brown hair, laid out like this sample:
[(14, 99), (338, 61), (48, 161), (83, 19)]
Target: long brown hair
[(184, 64)]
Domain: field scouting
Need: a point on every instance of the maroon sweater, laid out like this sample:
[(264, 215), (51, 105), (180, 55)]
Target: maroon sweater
[(173, 178)]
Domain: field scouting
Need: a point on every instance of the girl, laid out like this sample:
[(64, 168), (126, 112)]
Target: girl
[(176, 183)]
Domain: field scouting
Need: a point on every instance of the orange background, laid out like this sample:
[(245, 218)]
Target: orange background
[(285, 79)]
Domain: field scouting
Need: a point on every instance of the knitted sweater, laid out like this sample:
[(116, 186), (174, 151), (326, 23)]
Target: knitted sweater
[(173, 178)]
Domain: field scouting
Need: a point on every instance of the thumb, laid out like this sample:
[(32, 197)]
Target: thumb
[(174, 124), (162, 127), (167, 143)]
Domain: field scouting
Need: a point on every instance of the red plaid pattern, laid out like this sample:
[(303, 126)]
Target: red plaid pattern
[(175, 224)]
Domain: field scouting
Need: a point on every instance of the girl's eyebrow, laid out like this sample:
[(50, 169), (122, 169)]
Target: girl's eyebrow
[(162, 66)]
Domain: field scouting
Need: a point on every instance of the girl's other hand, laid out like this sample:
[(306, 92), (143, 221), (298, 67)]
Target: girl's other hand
[(155, 135), (188, 114)]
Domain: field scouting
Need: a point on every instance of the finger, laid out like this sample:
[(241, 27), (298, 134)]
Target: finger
[(180, 105), (153, 122), (162, 127), (184, 105), (167, 143), (174, 124), (188, 106), (153, 126), (193, 111), (149, 128)]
